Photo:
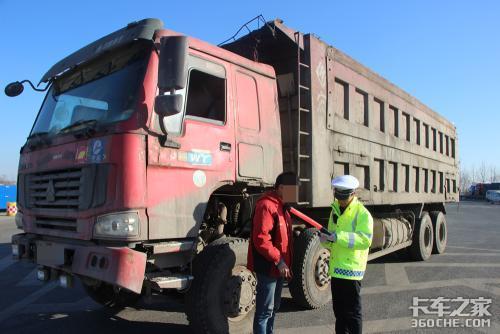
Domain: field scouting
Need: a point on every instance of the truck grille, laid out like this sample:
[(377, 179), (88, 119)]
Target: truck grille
[(63, 224), (55, 189)]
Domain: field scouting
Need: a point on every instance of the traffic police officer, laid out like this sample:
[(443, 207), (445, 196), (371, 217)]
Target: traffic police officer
[(351, 227)]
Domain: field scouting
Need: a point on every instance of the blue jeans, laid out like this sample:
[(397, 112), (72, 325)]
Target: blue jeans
[(267, 303)]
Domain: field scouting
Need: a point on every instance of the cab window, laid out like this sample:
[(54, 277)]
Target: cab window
[(206, 97)]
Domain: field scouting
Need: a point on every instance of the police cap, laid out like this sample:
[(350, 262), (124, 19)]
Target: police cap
[(346, 183)]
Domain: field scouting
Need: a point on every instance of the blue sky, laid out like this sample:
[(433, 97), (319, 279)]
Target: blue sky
[(445, 53)]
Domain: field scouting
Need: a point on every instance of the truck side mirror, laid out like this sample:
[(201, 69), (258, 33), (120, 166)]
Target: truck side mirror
[(14, 89), (168, 105), (172, 71)]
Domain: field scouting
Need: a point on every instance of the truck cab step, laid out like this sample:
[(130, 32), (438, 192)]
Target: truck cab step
[(161, 281)]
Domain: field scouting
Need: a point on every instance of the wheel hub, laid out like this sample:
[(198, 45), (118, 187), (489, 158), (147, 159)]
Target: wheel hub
[(240, 293), (321, 274), (442, 232), (427, 236)]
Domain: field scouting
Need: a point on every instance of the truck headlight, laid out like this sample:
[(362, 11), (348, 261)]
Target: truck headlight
[(117, 225), (19, 220)]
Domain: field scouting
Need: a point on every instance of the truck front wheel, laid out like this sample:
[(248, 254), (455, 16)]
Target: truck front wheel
[(109, 295), (423, 238), (440, 232), (310, 284), (221, 298)]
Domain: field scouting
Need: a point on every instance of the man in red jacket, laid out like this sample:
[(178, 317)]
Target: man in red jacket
[(270, 249)]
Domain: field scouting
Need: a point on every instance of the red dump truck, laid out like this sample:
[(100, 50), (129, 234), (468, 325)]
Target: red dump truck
[(150, 149)]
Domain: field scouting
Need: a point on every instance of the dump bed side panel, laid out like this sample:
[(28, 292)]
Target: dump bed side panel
[(400, 150)]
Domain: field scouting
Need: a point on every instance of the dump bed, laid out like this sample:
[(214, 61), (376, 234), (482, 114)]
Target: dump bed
[(339, 117)]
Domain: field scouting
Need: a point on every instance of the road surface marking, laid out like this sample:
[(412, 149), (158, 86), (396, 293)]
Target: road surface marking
[(493, 329), (323, 329), (444, 264), (30, 279), (387, 325), (370, 326), (468, 282), (485, 288), (15, 308), (6, 262), (395, 274), (377, 326), (470, 254), (84, 303), (479, 249)]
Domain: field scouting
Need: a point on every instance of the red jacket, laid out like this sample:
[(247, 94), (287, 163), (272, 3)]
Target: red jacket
[(271, 238)]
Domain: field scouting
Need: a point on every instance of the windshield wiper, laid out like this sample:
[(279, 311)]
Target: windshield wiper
[(88, 124)]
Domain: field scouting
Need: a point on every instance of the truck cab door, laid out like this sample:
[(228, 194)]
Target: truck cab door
[(205, 158), (258, 130)]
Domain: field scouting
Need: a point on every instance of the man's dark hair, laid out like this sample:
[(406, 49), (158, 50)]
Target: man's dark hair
[(286, 179)]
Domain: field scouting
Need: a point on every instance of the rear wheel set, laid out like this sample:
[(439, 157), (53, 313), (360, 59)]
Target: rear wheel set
[(430, 236), (440, 232), (423, 238)]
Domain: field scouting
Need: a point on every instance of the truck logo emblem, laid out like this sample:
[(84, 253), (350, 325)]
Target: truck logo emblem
[(51, 192), (199, 178)]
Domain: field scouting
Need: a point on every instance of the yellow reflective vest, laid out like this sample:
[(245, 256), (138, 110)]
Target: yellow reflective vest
[(354, 230)]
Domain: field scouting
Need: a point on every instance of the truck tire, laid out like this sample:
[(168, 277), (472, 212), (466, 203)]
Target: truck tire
[(221, 298), (440, 232), (423, 238), (310, 286), (111, 296)]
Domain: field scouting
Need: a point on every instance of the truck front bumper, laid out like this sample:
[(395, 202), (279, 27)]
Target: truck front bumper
[(119, 266)]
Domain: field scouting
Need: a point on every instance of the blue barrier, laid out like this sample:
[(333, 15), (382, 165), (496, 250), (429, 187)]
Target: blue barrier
[(8, 193)]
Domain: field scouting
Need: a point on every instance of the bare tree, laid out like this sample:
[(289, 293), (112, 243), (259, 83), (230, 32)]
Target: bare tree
[(493, 174), (482, 172), (473, 174), (5, 180), (465, 179)]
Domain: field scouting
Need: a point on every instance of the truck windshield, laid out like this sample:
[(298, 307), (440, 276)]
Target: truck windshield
[(100, 93)]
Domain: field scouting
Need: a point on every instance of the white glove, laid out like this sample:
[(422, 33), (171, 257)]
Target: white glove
[(325, 237)]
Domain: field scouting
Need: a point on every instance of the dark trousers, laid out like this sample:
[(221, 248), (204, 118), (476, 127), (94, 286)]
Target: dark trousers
[(346, 301), (267, 303)]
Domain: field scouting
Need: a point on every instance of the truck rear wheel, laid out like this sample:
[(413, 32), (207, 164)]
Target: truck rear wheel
[(110, 296), (423, 238), (440, 232), (221, 298), (311, 281)]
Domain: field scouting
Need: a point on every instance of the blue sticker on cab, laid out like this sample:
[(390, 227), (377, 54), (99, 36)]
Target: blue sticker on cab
[(195, 157), (97, 150), (198, 158)]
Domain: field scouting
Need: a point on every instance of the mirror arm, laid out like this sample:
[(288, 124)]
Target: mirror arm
[(33, 86), (165, 142), (162, 125)]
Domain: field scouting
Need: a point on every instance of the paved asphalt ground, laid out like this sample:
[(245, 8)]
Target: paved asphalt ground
[(470, 268)]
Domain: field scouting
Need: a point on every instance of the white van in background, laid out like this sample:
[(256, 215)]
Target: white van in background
[(493, 196)]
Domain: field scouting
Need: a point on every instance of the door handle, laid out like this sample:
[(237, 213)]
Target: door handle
[(225, 146)]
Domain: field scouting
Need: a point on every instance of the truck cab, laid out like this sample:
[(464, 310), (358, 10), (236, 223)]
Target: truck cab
[(138, 135)]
